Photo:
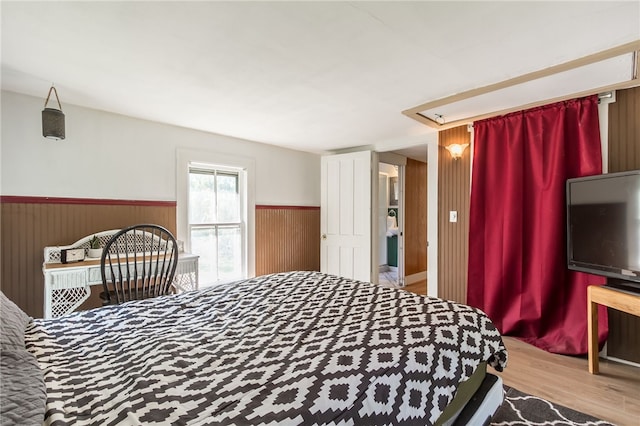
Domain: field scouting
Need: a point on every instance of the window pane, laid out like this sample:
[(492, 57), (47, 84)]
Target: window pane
[(228, 198), (216, 232), (202, 197), (229, 253), (203, 243)]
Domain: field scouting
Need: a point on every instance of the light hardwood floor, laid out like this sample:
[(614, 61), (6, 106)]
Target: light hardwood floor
[(613, 395), (419, 287)]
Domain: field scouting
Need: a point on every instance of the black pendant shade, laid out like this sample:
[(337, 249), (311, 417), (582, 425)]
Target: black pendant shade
[(53, 119)]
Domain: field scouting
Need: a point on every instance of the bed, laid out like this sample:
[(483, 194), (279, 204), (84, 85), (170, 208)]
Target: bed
[(289, 348)]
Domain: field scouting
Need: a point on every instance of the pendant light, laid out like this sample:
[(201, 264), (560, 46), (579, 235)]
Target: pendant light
[(53, 119)]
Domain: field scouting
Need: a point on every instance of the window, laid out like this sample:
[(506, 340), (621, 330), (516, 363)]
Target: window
[(206, 232), (216, 225)]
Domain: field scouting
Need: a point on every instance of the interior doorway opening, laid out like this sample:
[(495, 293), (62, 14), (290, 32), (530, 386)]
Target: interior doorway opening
[(416, 218), (389, 225)]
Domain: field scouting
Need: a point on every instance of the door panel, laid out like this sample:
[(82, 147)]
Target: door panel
[(345, 218)]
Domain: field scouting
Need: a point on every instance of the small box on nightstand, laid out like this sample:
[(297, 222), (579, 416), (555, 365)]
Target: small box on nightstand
[(71, 255)]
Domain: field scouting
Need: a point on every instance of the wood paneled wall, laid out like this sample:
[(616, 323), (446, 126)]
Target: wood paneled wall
[(29, 224), (453, 195), (415, 229), (624, 154), (287, 239)]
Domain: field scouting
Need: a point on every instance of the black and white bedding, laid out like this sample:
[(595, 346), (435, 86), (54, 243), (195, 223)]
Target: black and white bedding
[(22, 389), (286, 349)]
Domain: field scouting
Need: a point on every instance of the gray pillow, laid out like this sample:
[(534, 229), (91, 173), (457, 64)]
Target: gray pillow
[(23, 394), (13, 322)]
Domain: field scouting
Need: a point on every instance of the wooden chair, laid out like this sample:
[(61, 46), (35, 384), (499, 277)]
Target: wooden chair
[(138, 262)]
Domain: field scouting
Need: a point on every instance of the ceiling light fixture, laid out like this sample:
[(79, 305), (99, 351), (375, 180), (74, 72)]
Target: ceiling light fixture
[(53, 119), (456, 149), (440, 119)]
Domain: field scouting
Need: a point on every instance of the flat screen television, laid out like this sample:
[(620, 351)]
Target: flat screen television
[(603, 226)]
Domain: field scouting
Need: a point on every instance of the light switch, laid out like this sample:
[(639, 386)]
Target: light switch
[(453, 216)]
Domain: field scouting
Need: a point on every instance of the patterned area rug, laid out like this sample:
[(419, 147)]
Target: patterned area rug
[(522, 409)]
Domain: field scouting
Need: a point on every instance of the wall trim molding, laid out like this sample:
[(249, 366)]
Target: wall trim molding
[(28, 199), (268, 207), (19, 199)]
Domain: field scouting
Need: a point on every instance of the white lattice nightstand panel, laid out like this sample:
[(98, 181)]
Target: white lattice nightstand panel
[(65, 291), (186, 278), (66, 300)]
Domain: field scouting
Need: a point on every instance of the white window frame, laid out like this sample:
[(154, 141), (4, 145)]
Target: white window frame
[(199, 158)]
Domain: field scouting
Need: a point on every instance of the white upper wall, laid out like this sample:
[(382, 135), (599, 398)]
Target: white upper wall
[(113, 156)]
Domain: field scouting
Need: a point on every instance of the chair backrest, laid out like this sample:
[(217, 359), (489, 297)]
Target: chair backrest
[(138, 262)]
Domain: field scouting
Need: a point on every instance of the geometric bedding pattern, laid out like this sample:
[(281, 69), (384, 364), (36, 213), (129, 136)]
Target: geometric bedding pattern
[(284, 349)]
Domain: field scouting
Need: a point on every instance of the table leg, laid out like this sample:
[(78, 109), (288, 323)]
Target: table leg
[(592, 323)]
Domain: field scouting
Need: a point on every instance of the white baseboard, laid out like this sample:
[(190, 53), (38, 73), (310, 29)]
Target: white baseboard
[(622, 361), (604, 355), (414, 278)]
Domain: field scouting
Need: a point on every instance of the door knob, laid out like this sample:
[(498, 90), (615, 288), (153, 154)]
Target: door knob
[(324, 236)]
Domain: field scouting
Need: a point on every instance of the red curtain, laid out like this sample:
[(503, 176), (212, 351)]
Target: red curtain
[(517, 237)]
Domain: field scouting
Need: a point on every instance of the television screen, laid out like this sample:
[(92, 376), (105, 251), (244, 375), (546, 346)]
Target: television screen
[(603, 225)]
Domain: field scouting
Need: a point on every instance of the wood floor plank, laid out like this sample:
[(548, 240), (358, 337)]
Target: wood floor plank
[(613, 395), (419, 287)]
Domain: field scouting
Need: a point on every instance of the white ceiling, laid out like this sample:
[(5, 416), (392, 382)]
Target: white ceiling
[(314, 76)]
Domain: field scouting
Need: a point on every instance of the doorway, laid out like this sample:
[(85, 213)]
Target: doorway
[(390, 225), (368, 222), (417, 234)]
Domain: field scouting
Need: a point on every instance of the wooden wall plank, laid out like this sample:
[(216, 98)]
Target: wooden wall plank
[(624, 154), (415, 230), (287, 239), (26, 228), (453, 195)]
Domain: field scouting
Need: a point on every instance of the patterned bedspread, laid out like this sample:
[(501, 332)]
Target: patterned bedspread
[(286, 349)]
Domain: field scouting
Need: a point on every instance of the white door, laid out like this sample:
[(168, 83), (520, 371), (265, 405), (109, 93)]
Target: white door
[(345, 215), (383, 196), (400, 219)]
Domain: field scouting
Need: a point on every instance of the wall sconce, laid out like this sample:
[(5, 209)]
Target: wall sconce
[(456, 149), (53, 119)]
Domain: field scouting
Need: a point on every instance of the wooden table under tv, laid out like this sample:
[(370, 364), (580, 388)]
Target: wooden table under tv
[(625, 301)]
